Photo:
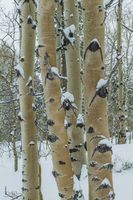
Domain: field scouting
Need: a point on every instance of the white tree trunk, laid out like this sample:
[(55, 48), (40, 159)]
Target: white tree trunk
[(75, 133), (30, 170), (99, 149), (62, 169)]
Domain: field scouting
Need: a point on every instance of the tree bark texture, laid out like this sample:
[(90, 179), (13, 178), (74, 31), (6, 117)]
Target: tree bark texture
[(30, 169), (96, 113), (72, 53), (62, 169), (122, 132)]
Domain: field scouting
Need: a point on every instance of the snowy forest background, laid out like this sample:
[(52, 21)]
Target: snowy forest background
[(10, 116)]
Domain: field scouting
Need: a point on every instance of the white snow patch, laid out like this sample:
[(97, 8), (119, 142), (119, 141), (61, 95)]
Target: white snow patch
[(118, 167), (34, 23), (120, 180), (83, 172), (106, 142), (20, 115), (76, 185), (67, 31), (29, 81), (12, 133), (71, 15), (80, 119), (111, 195), (95, 40), (55, 71), (81, 37), (20, 70), (119, 57), (29, 17), (33, 107), (106, 1), (31, 143), (77, 188), (101, 83), (67, 96), (65, 122), (106, 182)]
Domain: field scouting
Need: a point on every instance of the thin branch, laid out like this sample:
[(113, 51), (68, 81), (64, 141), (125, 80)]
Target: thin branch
[(129, 29), (108, 5)]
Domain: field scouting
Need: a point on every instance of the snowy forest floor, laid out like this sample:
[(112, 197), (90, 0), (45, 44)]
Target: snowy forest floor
[(122, 175)]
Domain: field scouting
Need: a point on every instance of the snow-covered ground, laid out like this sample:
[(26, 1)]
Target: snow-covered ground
[(122, 176)]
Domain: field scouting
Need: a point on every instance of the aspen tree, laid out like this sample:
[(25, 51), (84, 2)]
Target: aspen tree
[(60, 54), (122, 132), (59, 20), (75, 131), (62, 169), (99, 147), (25, 72)]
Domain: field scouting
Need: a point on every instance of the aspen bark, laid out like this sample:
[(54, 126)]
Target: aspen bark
[(122, 132), (99, 153), (58, 40), (15, 149), (62, 169), (30, 171), (61, 60), (74, 86)]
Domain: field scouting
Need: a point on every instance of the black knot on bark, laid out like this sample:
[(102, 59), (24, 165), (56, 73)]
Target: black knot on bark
[(94, 46), (52, 138), (122, 118), (102, 148), (102, 92), (50, 122), (62, 162), (90, 129)]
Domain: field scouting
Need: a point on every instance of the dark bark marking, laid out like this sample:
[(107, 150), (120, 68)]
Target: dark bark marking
[(90, 130), (50, 122), (102, 148), (55, 174), (52, 138), (61, 195), (73, 150), (62, 162)]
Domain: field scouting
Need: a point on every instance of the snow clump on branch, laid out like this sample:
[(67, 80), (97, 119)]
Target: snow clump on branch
[(69, 33), (67, 101), (101, 83), (20, 71)]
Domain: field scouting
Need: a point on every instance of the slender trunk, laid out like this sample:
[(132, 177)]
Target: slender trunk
[(62, 169), (59, 19), (15, 150), (61, 60), (99, 149), (122, 132), (75, 133), (110, 99), (31, 187)]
